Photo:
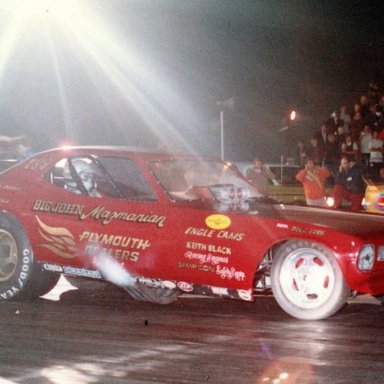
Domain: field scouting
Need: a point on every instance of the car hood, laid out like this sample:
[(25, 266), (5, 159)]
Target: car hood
[(351, 222), (354, 223)]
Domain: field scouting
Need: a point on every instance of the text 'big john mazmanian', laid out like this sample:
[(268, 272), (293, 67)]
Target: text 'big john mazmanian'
[(98, 213)]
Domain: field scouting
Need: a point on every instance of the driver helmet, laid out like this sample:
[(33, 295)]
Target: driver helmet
[(86, 173)]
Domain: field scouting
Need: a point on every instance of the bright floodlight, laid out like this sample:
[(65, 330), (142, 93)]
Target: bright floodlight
[(27, 11), (78, 30)]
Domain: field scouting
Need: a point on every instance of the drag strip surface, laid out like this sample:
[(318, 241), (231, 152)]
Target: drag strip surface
[(100, 335)]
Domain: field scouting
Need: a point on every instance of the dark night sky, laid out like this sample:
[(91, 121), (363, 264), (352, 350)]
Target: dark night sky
[(166, 63)]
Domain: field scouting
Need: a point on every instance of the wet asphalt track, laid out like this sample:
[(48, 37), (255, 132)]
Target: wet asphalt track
[(102, 336)]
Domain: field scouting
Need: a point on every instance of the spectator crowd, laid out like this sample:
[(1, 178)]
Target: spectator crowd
[(358, 135), (345, 153)]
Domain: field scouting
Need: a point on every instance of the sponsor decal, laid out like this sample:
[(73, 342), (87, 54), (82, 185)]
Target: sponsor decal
[(153, 283), (298, 229), (105, 216), (208, 247), (53, 267), (186, 287), (203, 232), (315, 231), (205, 258), (62, 243), (169, 284), (220, 291), (281, 225), (129, 247), (230, 273), (37, 163), (115, 240), (98, 213), (120, 254), (245, 294), (58, 240), (230, 235), (7, 187), (223, 271), (212, 233), (156, 283), (82, 272), (311, 231), (58, 207), (22, 277), (218, 221), (199, 267)]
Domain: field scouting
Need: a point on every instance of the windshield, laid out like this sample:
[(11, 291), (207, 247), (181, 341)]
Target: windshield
[(196, 179)]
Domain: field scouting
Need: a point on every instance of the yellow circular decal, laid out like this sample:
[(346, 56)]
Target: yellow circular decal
[(218, 221)]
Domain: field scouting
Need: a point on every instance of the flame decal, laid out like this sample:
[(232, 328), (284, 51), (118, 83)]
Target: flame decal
[(59, 240)]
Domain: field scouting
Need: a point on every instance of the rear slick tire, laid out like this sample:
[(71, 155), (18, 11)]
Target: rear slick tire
[(20, 276)]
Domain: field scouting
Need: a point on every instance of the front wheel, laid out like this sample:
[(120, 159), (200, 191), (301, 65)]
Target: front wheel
[(307, 281)]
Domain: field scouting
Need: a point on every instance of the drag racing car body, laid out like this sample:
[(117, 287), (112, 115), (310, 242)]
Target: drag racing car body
[(159, 225)]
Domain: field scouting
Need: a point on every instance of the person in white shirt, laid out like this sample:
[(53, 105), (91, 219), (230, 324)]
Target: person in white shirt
[(365, 139), (345, 116), (376, 154)]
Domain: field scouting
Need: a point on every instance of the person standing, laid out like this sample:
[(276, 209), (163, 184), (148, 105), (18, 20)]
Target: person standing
[(356, 126), (315, 152), (349, 184), (301, 153), (376, 154), (334, 122), (313, 179), (365, 140), (259, 175), (345, 116), (349, 147), (321, 136), (332, 156)]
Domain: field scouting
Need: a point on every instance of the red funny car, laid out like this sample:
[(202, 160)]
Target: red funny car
[(160, 225)]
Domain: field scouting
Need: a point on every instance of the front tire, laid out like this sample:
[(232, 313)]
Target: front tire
[(307, 281)]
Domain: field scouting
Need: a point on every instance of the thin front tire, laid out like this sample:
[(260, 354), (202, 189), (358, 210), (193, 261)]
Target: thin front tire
[(307, 281)]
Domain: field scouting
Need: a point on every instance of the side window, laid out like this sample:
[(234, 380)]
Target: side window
[(104, 176), (127, 178), (56, 174)]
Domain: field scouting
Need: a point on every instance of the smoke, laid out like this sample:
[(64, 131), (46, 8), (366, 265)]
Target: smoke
[(112, 270)]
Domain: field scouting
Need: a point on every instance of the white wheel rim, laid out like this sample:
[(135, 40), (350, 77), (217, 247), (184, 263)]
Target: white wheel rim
[(307, 278), (8, 255)]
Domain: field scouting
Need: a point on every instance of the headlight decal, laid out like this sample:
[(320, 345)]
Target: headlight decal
[(366, 257)]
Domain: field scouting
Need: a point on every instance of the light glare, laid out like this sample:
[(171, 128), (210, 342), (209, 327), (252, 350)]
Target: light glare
[(75, 32)]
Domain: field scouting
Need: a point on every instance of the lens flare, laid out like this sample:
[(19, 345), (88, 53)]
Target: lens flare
[(287, 371), (76, 38)]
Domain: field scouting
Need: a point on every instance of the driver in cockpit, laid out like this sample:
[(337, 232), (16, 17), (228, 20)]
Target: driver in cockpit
[(84, 180)]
